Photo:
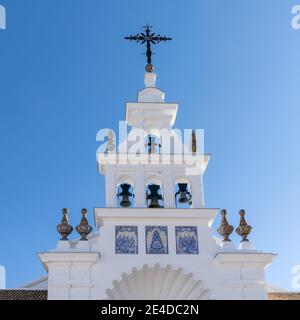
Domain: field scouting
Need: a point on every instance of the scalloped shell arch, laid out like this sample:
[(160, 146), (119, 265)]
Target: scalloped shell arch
[(159, 283)]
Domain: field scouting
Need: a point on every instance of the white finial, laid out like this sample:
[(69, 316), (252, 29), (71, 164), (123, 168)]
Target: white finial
[(149, 80)]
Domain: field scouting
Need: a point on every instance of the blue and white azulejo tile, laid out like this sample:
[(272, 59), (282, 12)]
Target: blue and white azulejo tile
[(186, 240), (126, 239), (156, 239)]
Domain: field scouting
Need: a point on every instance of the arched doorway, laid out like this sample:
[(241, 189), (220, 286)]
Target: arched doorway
[(157, 283)]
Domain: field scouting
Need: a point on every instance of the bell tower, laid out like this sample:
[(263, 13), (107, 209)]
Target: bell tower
[(159, 165), (153, 171), (154, 237)]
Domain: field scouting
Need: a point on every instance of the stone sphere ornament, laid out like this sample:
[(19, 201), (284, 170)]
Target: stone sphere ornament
[(149, 67), (84, 229)]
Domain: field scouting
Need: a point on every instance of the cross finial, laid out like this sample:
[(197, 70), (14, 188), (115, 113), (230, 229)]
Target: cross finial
[(148, 37), (147, 26)]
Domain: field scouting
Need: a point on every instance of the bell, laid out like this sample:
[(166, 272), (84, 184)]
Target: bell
[(154, 196), (153, 145), (183, 198), (125, 193), (184, 194), (125, 202)]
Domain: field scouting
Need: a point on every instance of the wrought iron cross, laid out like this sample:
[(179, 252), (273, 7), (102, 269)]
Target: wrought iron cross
[(147, 37)]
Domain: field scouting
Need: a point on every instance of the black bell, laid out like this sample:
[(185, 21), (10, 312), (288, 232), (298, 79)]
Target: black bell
[(154, 196), (153, 145), (184, 195), (125, 193)]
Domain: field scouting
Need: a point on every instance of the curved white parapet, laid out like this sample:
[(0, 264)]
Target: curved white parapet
[(151, 95)]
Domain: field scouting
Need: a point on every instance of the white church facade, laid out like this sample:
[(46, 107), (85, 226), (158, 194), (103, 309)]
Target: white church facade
[(154, 237)]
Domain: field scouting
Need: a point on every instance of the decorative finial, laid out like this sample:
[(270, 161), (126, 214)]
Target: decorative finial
[(194, 142), (84, 228), (149, 67), (111, 141), (225, 228), (149, 38), (244, 228), (64, 228)]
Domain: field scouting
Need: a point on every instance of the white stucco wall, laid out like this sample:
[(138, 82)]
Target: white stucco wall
[(87, 270)]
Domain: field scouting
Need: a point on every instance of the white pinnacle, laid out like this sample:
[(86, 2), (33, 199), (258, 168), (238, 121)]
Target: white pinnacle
[(149, 80)]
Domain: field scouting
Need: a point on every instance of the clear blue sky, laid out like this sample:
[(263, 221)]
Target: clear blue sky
[(66, 72)]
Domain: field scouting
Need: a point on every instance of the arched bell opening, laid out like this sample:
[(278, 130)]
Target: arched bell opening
[(183, 194), (153, 144), (154, 196), (125, 195), (154, 192)]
